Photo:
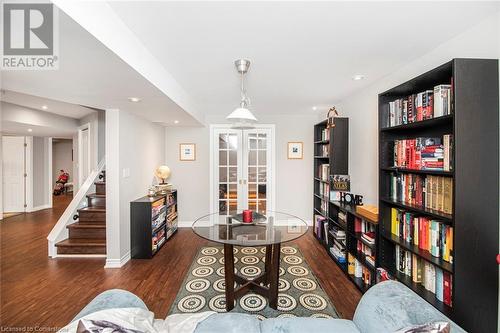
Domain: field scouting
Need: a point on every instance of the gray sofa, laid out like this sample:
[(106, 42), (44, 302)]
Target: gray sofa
[(386, 307)]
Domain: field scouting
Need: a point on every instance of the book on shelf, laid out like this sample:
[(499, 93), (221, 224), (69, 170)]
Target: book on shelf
[(358, 270), (424, 153), (428, 234), (368, 237), (429, 276), (424, 105), (158, 239), (442, 100), (383, 275), (367, 252), (366, 229), (325, 134), (339, 255), (324, 150), (156, 222), (326, 239), (342, 217), (171, 198), (337, 232), (324, 190), (324, 172), (432, 192), (318, 225)]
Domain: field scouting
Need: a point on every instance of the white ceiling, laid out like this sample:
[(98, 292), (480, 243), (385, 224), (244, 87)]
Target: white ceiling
[(53, 106), (15, 128), (90, 74), (302, 53)]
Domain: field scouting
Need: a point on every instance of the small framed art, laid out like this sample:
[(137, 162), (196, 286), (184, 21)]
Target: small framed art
[(295, 150), (187, 151)]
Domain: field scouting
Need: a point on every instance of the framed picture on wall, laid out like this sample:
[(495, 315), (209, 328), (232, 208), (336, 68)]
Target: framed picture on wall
[(295, 150), (187, 151)]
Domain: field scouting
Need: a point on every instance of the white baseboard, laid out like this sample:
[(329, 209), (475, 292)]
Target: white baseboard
[(37, 208), (117, 263)]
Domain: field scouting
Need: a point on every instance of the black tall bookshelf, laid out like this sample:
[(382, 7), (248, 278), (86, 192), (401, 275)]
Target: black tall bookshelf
[(474, 125), (332, 150)]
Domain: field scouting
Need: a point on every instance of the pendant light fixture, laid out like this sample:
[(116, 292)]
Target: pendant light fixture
[(242, 117)]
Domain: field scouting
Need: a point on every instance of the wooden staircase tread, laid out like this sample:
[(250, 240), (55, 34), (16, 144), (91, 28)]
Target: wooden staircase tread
[(93, 209), (100, 183), (95, 195), (88, 225), (82, 242)]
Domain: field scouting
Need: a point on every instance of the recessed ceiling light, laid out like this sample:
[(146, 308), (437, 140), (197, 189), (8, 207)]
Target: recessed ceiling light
[(314, 108), (176, 121), (134, 99), (358, 77), (30, 130), (45, 107)]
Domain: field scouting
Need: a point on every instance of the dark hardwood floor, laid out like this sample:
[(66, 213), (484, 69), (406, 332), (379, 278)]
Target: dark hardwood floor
[(39, 291)]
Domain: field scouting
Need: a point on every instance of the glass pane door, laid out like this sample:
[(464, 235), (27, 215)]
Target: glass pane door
[(241, 170), (229, 157), (256, 166)]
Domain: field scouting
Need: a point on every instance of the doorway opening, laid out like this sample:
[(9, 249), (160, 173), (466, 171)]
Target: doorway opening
[(63, 166)]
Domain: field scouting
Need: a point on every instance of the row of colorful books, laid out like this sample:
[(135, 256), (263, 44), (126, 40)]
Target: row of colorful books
[(431, 277), (424, 153), (324, 172), (338, 250), (325, 134), (433, 192), (429, 235), (324, 190), (367, 251), (358, 270), (417, 107)]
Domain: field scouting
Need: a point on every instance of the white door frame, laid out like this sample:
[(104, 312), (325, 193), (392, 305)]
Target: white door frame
[(271, 177), (86, 126)]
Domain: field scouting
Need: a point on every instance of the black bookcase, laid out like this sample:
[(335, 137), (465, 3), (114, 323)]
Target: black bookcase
[(356, 244), (332, 150), (474, 125), (153, 220)]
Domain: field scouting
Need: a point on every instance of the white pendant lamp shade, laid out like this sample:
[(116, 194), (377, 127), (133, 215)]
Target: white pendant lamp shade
[(242, 117), (242, 114)]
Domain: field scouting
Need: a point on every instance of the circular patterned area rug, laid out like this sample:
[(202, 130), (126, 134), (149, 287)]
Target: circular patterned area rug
[(300, 294)]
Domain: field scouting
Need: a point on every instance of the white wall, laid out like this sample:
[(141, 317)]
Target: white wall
[(41, 179), (93, 120), (294, 185), (135, 149), (62, 158), (38, 162), (481, 41)]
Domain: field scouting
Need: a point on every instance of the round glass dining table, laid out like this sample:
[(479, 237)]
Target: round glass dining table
[(269, 229)]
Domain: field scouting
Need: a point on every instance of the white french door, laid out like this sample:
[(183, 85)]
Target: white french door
[(242, 169)]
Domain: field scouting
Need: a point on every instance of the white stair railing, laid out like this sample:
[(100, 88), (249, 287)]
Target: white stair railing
[(60, 232)]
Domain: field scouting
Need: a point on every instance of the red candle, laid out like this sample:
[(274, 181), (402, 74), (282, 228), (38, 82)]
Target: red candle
[(247, 216)]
